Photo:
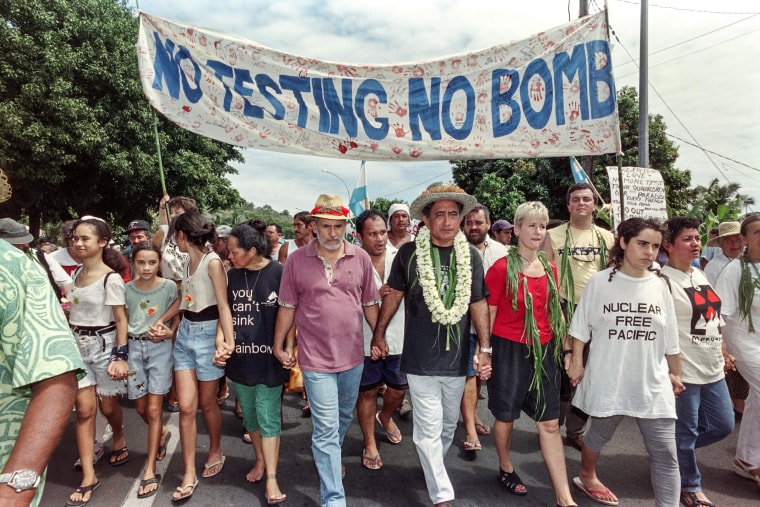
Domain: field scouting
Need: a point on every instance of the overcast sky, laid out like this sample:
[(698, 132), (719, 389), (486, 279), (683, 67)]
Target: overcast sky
[(708, 84)]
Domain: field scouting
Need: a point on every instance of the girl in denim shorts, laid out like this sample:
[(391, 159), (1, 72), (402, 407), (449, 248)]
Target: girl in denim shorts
[(150, 354), (99, 323), (204, 342)]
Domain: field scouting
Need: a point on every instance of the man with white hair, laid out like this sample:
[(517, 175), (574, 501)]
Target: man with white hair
[(398, 223), (327, 289), (730, 242)]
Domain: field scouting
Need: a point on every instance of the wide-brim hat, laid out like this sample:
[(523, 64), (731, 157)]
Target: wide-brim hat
[(441, 191), (14, 232), (725, 229), (330, 207)]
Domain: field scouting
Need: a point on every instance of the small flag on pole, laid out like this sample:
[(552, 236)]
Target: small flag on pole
[(579, 174), (359, 194)]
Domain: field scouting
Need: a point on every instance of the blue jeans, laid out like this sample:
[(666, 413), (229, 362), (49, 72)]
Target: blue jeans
[(705, 416), (332, 397)]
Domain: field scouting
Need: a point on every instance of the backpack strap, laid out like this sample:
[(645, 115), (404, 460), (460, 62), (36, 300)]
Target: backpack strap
[(43, 261)]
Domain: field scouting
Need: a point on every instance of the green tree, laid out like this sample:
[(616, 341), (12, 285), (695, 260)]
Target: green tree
[(383, 205), (718, 203), (502, 185), (76, 136)]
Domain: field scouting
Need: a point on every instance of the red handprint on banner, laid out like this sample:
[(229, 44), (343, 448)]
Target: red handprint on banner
[(397, 108), (537, 89), (415, 152), (399, 130)]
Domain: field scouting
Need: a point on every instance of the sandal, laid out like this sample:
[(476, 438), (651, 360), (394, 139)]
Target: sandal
[(394, 436), (744, 470), (689, 499), (162, 448), (115, 455), (512, 482), (482, 429), (208, 466), (83, 490), (187, 495), (472, 445), (222, 397), (148, 482), (376, 464)]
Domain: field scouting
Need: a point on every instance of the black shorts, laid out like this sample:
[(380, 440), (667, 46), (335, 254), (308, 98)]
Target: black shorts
[(509, 389)]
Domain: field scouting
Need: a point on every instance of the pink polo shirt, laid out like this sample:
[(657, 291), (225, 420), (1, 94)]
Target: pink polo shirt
[(328, 303)]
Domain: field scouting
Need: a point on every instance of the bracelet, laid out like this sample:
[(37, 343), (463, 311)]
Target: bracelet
[(566, 352), (486, 350), (120, 353)]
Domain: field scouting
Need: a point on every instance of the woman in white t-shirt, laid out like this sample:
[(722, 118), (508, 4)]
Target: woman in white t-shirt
[(739, 289), (629, 312), (704, 408)]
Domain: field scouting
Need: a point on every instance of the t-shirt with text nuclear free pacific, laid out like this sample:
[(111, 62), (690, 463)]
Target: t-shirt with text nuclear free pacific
[(253, 299), (631, 326), (697, 308), (425, 342)]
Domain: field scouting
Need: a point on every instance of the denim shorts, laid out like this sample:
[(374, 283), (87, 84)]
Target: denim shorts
[(150, 368), (386, 370), (195, 347), (96, 351)]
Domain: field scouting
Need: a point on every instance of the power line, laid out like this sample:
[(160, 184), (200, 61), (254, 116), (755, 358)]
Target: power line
[(687, 54), (685, 9), (714, 153), (416, 185), (694, 38)]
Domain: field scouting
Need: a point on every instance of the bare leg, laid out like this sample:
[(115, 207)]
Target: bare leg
[(469, 409), (86, 405), (554, 456), (187, 395), (271, 446), (213, 418), (149, 407), (366, 407), (111, 409), (259, 467), (588, 473)]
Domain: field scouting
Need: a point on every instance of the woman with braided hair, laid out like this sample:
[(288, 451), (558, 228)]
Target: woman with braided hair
[(628, 310), (739, 290)]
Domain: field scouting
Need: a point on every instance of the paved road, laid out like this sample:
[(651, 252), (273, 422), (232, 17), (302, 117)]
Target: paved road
[(623, 466)]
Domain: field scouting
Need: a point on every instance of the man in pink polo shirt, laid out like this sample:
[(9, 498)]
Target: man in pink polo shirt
[(327, 288)]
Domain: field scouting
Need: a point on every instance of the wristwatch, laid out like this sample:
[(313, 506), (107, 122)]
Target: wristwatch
[(487, 350), (21, 480)]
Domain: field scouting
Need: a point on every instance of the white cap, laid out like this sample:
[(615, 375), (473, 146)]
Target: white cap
[(396, 206)]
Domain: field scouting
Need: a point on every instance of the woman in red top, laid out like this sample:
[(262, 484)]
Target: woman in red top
[(527, 329)]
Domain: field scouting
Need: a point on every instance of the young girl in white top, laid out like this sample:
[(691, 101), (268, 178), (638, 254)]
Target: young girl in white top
[(633, 365), (150, 358), (99, 322), (204, 342)]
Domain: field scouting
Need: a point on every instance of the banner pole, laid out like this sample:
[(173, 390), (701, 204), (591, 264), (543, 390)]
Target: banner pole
[(620, 187)]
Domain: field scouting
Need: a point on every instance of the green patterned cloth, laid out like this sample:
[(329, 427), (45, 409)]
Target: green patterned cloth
[(35, 342)]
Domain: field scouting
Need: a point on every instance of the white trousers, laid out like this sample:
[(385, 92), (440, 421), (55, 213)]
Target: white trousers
[(436, 403), (748, 445)]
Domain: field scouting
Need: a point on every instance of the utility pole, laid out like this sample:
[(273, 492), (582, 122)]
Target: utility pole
[(644, 87), (587, 162)]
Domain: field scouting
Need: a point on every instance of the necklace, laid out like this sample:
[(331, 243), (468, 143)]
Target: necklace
[(449, 308), (531, 261), (693, 283), (566, 281), (247, 291)]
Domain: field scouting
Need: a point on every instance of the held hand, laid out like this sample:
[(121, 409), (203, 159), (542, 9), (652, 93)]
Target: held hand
[(157, 331), (378, 349), (481, 362), (285, 357), (385, 290), (221, 354), (728, 363), (118, 370), (678, 386), (575, 371)]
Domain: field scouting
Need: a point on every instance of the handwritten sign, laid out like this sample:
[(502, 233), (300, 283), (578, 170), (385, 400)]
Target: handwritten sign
[(643, 193)]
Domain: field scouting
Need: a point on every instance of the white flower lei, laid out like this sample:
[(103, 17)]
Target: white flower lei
[(463, 279)]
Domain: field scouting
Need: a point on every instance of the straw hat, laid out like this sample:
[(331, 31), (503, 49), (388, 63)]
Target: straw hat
[(331, 207), (441, 191), (725, 229)]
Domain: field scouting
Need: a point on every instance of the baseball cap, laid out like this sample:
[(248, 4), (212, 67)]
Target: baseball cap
[(138, 225), (501, 225)]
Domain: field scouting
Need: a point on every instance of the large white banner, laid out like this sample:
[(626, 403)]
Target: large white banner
[(549, 95), (643, 193)]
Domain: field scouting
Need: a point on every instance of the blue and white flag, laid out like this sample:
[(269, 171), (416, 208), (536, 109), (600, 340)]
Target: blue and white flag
[(359, 194), (579, 174)]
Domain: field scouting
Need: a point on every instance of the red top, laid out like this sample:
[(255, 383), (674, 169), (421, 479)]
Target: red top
[(510, 324)]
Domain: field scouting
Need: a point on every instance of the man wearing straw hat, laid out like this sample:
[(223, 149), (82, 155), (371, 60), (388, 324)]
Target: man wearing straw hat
[(327, 289), (730, 242), (440, 278)]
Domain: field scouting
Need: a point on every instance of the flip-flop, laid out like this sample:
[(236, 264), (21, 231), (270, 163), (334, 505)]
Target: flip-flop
[(689, 499), (82, 490), (148, 482), (221, 399), (375, 465), (594, 494), (745, 471), (472, 445), (393, 437), (482, 429), (116, 453), (183, 488), (162, 449), (207, 467)]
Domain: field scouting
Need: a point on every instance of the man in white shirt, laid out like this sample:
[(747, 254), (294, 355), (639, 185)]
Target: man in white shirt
[(730, 242)]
